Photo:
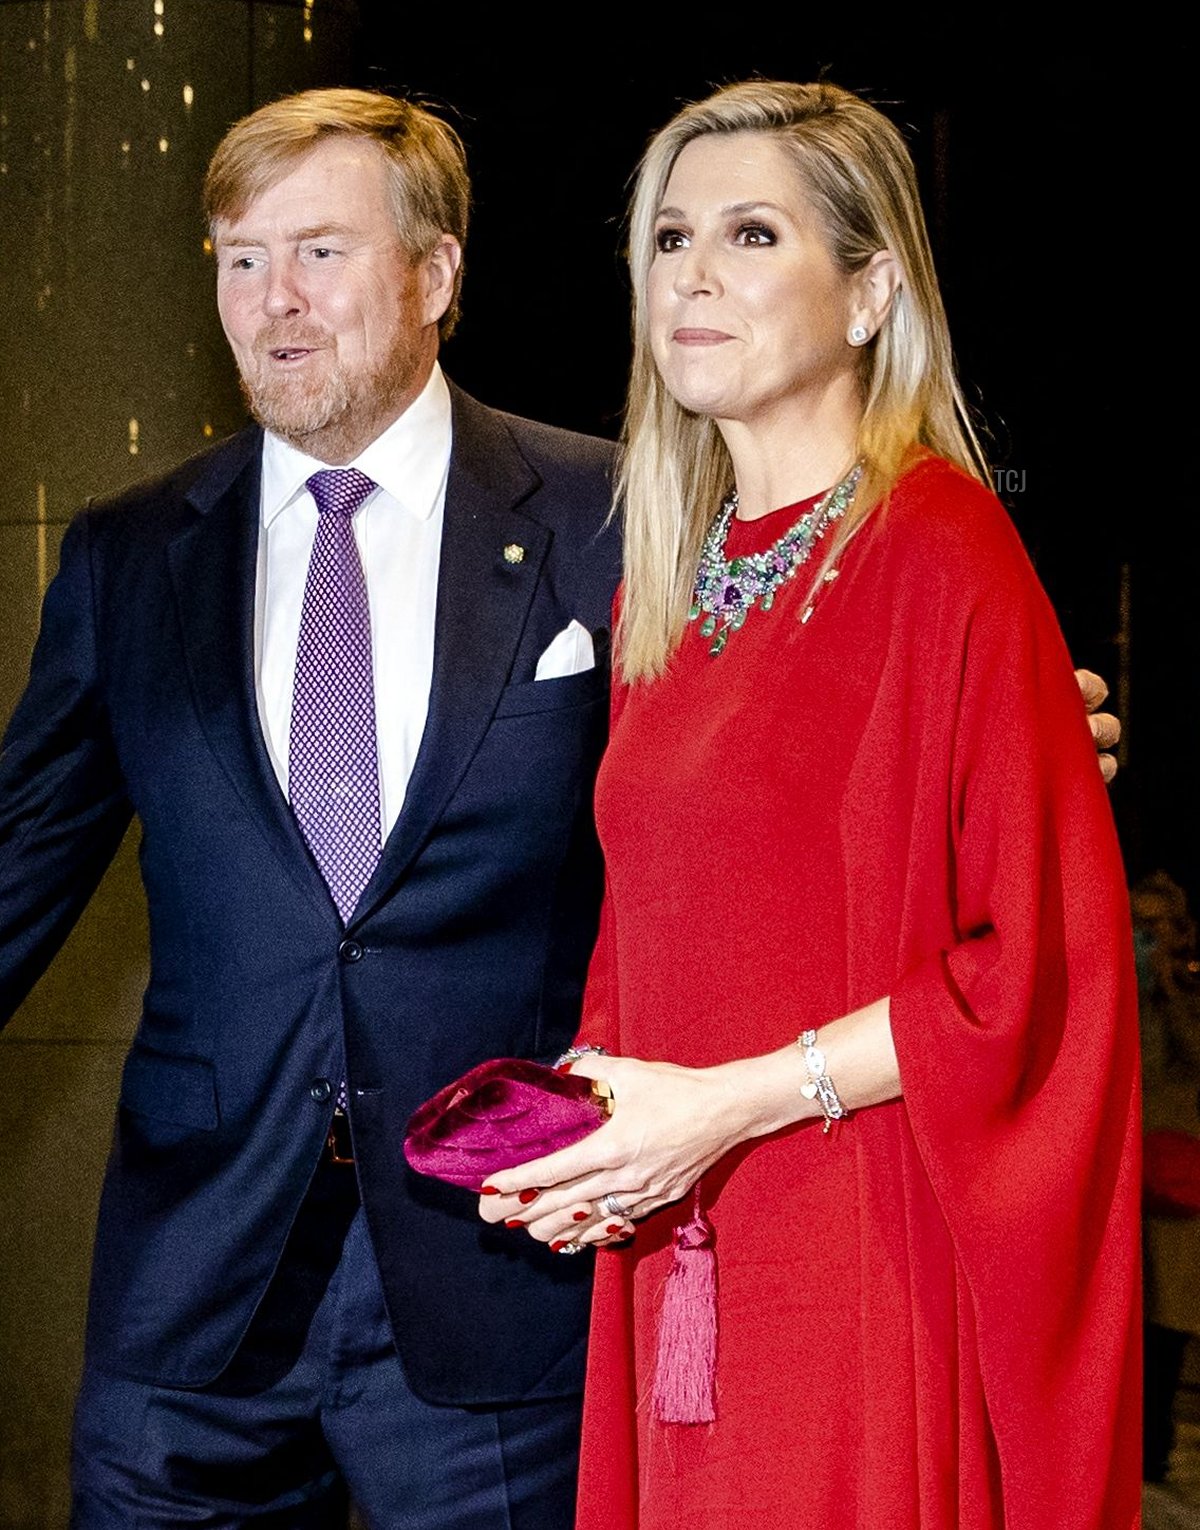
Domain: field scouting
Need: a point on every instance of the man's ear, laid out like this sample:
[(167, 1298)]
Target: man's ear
[(438, 271), (876, 286)]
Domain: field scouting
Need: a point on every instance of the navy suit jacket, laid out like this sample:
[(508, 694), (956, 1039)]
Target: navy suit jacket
[(471, 940)]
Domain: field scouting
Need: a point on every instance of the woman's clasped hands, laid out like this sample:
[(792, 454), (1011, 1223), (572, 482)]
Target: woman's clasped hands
[(668, 1125)]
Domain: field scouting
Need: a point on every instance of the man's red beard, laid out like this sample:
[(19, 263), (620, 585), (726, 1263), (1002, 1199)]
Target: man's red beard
[(295, 405), (327, 409)]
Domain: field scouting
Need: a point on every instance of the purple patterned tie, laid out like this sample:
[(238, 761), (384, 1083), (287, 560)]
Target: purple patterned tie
[(333, 766)]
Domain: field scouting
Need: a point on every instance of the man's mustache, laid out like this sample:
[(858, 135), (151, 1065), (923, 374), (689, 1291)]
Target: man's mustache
[(289, 337)]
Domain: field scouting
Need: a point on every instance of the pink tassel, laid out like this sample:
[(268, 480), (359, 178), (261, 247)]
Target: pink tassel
[(685, 1367)]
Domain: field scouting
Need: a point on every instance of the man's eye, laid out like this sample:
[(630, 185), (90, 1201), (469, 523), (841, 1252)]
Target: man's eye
[(668, 240), (754, 233), (321, 252), (243, 263)]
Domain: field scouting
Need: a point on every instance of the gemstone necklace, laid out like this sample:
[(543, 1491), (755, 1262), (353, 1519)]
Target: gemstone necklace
[(727, 588)]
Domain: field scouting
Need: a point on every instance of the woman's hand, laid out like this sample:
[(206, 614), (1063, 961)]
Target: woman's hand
[(668, 1125)]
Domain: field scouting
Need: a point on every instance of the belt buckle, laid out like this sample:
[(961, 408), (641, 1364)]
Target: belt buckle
[(341, 1149)]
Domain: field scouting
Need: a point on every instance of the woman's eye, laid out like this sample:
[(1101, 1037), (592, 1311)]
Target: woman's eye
[(669, 239), (755, 233)]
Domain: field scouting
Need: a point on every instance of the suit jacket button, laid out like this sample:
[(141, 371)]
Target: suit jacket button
[(350, 951), (320, 1089)]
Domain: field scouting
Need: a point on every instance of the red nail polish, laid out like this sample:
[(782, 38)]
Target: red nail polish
[(489, 1190), (580, 1216), (516, 1223), (557, 1244), (613, 1228), (528, 1195)]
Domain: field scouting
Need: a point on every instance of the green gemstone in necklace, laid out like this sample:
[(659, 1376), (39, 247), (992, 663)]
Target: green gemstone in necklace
[(727, 589)]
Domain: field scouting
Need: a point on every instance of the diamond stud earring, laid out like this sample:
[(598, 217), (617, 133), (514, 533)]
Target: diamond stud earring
[(858, 334)]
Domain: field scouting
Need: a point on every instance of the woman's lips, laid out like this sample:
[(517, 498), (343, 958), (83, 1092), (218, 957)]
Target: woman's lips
[(700, 337)]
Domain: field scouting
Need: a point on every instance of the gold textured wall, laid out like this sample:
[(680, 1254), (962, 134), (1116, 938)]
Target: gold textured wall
[(112, 367)]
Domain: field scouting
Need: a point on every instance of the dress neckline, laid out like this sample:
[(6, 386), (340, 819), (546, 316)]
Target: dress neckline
[(756, 535)]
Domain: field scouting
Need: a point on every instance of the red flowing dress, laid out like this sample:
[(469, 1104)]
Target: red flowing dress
[(929, 1317)]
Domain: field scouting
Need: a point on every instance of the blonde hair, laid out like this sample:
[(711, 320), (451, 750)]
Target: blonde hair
[(857, 173), (427, 167)]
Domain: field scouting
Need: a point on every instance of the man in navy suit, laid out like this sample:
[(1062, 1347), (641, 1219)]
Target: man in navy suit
[(282, 1315)]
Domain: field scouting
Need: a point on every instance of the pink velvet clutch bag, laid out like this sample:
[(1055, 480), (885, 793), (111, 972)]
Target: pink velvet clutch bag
[(498, 1114)]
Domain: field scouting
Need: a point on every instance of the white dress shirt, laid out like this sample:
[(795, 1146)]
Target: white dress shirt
[(399, 532)]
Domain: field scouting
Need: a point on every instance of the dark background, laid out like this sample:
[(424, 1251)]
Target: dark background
[(1027, 157)]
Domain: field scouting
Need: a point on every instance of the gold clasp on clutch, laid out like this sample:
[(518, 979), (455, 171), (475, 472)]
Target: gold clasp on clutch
[(603, 1095)]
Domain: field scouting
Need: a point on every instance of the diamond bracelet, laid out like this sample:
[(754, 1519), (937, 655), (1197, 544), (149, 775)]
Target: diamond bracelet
[(820, 1085)]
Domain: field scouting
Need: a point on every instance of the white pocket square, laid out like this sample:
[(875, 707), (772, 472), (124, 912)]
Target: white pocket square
[(570, 653)]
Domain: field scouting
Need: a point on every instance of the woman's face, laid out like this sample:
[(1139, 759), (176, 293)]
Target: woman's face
[(747, 312)]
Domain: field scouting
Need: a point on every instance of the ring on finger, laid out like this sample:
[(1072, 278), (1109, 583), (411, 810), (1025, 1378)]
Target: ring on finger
[(571, 1248), (612, 1207)]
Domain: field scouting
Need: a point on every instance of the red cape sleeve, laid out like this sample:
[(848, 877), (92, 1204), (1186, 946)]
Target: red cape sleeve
[(1018, 1051)]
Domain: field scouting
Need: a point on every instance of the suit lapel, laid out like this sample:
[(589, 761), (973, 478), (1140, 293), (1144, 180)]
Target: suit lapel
[(214, 568), (483, 601)]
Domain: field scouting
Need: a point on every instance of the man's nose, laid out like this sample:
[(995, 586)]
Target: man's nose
[(284, 292)]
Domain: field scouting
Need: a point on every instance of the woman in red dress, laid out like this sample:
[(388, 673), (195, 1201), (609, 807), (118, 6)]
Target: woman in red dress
[(924, 1216)]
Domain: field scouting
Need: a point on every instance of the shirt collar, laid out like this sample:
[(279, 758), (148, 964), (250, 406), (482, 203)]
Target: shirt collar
[(409, 461)]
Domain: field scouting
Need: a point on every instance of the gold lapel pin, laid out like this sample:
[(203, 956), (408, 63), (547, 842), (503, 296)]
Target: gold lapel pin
[(514, 553)]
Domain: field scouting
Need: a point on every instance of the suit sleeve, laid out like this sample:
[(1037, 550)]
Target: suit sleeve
[(63, 807), (1018, 1051)]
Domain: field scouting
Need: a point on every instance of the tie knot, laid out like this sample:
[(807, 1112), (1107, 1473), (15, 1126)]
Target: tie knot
[(339, 491)]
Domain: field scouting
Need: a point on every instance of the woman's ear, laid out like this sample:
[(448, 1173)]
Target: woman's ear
[(876, 286)]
